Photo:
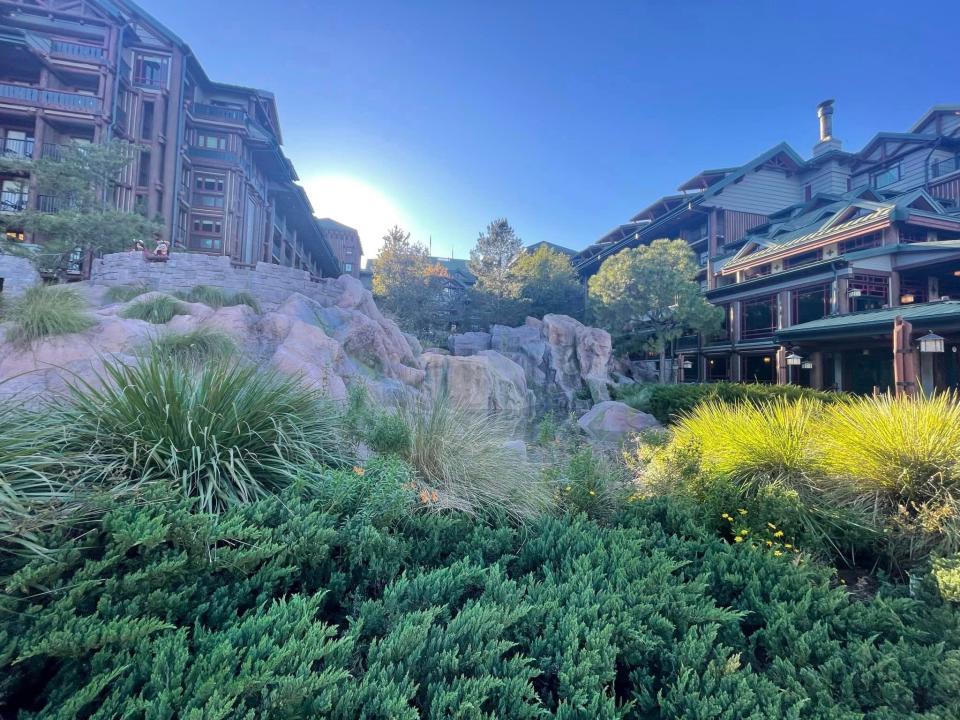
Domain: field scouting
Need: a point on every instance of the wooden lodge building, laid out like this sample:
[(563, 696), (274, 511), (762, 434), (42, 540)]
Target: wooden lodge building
[(210, 163), (812, 260)]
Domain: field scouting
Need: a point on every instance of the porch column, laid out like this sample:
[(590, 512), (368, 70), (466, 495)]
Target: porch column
[(735, 370), (904, 365), (816, 373), (894, 288), (783, 370), (843, 299)]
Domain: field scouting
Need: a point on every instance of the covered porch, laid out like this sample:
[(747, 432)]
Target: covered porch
[(854, 352)]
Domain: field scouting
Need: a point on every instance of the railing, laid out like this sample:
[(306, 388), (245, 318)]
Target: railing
[(11, 202), (75, 50), (222, 114), (158, 83), (688, 342), (209, 154), (50, 98), (52, 151), (945, 167), (53, 203), (12, 147)]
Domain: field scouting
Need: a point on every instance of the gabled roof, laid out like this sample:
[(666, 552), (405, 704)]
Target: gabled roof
[(882, 137), (705, 178), (932, 113), (937, 315), (552, 246), (661, 207)]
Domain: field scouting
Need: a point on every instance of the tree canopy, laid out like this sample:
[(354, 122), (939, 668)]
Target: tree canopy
[(548, 283), (649, 295)]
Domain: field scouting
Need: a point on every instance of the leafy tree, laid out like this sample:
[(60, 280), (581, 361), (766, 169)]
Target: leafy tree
[(81, 212), (409, 285), (497, 293), (549, 283), (650, 294)]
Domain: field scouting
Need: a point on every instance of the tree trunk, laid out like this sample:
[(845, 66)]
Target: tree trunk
[(664, 374)]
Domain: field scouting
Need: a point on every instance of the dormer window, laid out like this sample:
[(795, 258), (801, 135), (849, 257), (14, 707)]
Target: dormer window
[(885, 177)]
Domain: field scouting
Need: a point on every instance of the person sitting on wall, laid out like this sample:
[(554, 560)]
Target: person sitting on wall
[(138, 246), (162, 252)]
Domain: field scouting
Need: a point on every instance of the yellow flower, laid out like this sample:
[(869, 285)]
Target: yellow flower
[(592, 492), (742, 511), (778, 534), (357, 470), (771, 526), (744, 532), (777, 553), (725, 516), (788, 546), (567, 488), (738, 538), (769, 543)]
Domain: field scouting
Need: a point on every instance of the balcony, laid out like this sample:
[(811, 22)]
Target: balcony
[(154, 82), (13, 148), (945, 167), (52, 151), (234, 116), (209, 154), (54, 204), (57, 99), (703, 258), (75, 51), (13, 202)]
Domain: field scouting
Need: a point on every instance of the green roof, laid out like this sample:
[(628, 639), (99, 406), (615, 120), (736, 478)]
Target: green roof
[(930, 316)]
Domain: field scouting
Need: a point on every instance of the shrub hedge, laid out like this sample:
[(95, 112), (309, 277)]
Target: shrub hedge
[(668, 402), (349, 604)]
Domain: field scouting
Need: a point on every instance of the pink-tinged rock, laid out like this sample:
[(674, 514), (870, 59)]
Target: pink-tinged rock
[(487, 382), (307, 352), (612, 422)]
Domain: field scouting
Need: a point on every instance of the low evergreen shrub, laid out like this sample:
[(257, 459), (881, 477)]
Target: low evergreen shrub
[(669, 402), (388, 434), (46, 310), (346, 602), (159, 309), (193, 346)]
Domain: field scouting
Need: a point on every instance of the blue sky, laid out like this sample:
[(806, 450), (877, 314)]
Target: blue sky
[(564, 117)]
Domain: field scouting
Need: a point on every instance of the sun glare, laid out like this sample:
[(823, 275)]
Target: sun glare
[(357, 204)]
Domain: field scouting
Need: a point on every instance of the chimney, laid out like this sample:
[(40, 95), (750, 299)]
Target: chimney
[(827, 140)]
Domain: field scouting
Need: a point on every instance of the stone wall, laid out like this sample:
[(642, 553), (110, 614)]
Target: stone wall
[(270, 284), (17, 275)]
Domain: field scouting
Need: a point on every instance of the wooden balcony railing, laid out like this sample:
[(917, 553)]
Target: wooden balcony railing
[(77, 51), (13, 202), (235, 116), (209, 154), (26, 95), (12, 147)]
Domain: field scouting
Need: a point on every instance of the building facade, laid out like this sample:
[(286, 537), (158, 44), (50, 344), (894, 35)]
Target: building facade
[(808, 257), (209, 162), (344, 241)]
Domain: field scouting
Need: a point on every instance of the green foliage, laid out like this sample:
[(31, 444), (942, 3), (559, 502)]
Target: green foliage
[(217, 297), (124, 293), (590, 483), (651, 292), (193, 346), (389, 434), (220, 432), (496, 297), (348, 603), (548, 283), (46, 310), (668, 402), (156, 309), (946, 572)]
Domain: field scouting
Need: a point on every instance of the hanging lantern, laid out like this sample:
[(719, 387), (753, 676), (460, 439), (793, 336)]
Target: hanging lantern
[(687, 365), (931, 343), (793, 359), (807, 365)]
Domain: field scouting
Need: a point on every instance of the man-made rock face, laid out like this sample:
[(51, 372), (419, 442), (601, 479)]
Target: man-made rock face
[(560, 357), (16, 275), (610, 422), (487, 381)]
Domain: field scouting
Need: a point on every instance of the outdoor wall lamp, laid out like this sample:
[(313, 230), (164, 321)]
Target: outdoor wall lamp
[(931, 343), (854, 292), (793, 359), (907, 298), (687, 365), (807, 364)]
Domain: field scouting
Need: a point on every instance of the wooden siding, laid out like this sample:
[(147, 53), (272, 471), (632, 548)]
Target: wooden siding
[(949, 189), (830, 178), (761, 192), (735, 224), (913, 171)]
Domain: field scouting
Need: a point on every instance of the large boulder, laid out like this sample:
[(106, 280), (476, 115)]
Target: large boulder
[(611, 422), (469, 343), (485, 382)]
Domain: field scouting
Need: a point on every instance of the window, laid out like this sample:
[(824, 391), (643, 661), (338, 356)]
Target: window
[(872, 289), (758, 271), (146, 122), (13, 196), (143, 174), (206, 243), (911, 292), (210, 201), (208, 182), (886, 177), (802, 259), (718, 368), (759, 369), (944, 167), (812, 303), (861, 243), (150, 71), (348, 267), (16, 143), (209, 226), (758, 317), (211, 141)]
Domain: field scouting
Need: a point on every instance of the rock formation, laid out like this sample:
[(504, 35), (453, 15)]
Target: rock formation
[(609, 423)]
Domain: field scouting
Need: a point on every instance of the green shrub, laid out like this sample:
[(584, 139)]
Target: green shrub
[(669, 402), (461, 458), (124, 293), (220, 432), (159, 310), (946, 573), (193, 346), (389, 434), (899, 459), (351, 605), (217, 297), (590, 483), (46, 310)]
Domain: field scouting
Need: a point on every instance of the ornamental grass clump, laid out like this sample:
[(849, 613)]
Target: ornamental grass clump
[(220, 432), (898, 458), (193, 346), (462, 459), (47, 310), (158, 309), (217, 297), (125, 293)]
